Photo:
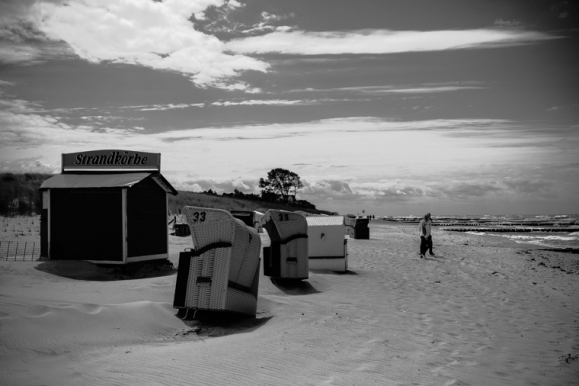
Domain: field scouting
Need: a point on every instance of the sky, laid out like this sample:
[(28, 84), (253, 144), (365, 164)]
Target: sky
[(390, 107)]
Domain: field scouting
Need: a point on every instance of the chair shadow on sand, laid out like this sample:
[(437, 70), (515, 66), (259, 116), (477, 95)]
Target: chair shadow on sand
[(217, 323), (294, 287), (330, 272), (84, 270)]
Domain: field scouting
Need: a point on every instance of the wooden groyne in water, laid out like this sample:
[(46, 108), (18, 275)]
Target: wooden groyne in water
[(481, 229), (473, 223)]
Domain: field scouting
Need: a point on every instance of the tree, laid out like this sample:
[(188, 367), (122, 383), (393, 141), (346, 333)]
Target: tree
[(281, 182)]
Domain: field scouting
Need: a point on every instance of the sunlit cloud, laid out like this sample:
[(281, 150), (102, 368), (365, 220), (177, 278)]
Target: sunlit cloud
[(158, 35), (381, 41)]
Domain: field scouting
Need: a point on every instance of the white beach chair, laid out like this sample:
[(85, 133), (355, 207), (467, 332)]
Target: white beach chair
[(287, 256), (221, 273), (327, 243)]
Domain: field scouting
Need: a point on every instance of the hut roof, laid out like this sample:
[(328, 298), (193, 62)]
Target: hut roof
[(119, 180)]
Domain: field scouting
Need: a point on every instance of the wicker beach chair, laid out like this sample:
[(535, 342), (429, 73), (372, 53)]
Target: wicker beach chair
[(221, 273), (287, 256)]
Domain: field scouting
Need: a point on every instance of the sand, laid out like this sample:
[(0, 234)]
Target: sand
[(484, 312)]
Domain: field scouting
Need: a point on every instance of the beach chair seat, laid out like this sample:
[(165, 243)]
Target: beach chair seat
[(287, 256), (221, 272)]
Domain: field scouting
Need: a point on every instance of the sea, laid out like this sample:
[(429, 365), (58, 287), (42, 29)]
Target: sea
[(557, 231)]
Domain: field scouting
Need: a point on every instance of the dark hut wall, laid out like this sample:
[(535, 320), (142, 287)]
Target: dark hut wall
[(86, 224), (146, 219)]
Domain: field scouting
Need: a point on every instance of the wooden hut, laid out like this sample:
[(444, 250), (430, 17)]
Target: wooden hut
[(107, 207)]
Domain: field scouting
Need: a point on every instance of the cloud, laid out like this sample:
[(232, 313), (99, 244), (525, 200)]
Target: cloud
[(218, 185), (508, 23), (253, 102), (528, 186), (169, 106), (30, 130), (380, 41), (28, 165), (158, 35), (410, 89), (266, 26), (276, 102), (347, 189), (19, 106)]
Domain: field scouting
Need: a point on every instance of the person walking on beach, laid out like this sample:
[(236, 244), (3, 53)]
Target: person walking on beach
[(425, 236)]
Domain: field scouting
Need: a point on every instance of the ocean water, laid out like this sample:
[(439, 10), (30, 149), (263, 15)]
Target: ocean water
[(554, 222), (544, 239), (554, 239)]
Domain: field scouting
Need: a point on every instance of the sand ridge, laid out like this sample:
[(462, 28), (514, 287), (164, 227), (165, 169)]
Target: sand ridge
[(482, 312)]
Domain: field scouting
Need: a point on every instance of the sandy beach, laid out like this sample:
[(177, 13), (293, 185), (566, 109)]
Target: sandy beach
[(485, 312)]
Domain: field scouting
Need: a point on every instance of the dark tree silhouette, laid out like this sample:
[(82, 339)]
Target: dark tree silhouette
[(281, 181)]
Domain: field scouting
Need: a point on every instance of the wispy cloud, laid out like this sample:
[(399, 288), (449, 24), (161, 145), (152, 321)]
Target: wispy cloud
[(169, 106), (380, 41), (277, 102), (410, 89)]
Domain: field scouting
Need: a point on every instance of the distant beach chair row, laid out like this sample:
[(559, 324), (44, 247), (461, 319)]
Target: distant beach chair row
[(221, 272)]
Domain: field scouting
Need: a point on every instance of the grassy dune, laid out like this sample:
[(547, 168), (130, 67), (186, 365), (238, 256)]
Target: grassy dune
[(176, 203)]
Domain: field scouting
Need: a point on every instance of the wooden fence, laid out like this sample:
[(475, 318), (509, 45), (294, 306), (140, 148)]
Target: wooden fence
[(20, 250)]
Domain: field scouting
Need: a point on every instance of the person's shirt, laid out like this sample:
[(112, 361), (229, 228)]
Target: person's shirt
[(424, 228)]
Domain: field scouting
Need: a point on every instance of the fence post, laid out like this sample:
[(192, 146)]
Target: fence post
[(33, 245), (15, 253), (24, 257), (8, 250)]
